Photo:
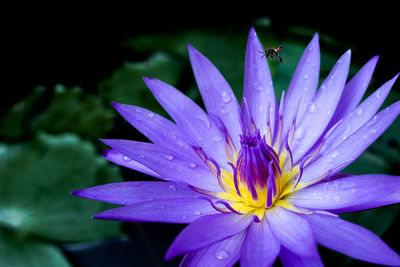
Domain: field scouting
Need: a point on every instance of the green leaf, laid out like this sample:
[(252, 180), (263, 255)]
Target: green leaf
[(35, 183), (126, 85), (15, 124), (20, 252), (73, 111)]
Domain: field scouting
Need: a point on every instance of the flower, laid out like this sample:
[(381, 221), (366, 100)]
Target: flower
[(259, 180)]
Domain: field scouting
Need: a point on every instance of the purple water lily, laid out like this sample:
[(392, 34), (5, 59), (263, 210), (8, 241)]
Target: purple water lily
[(259, 180)]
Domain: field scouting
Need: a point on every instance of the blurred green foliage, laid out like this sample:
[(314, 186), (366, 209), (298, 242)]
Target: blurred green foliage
[(54, 147)]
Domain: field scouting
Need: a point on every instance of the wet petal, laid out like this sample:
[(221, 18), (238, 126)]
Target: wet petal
[(336, 159), (258, 88), (290, 259), (321, 108), (354, 90), (158, 129), (223, 253), (352, 240), (167, 163), (302, 87), (122, 160), (292, 231), (350, 193), (206, 231), (176, 210), (216, 93), (128, 193), (193, 122), (364, 112), (260, 247)]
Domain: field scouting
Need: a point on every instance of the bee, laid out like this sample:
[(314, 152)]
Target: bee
[(272, 52)]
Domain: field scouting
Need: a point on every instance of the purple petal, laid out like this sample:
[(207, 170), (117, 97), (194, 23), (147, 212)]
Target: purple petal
[(302, 87), (260, 247), (364, 112), (354, 90), (193, 122), (128, 193), (224, 253), (216, 93), (158, 129), (290, 259), (350, 193), (167, 163), (175, 210), (122, 160), (292, 231), (342, 155), (321, 108), (258, 88), (351, 239), (207, 230)]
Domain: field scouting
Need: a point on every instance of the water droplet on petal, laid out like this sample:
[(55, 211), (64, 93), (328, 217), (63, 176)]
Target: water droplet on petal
[(184, 216), (192, 165), (306, 89), (142, 156), (353, 190), (299, 133), (172, 188), (126, 159), (168, 157), (359, 112), (306, 76), (226, 97), (150, 115), (162, 207), (308, 60), (336, 198), (312, 108), (224, 111), (372, 121), (222, 255), (206, 121), (197, 213), (335, 154)]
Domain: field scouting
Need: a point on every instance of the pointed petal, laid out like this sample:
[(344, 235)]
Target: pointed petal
[(352, 240), (292, 231), (321, 108), (354, 90), (128, 193), (336, 159), (158, 129), (260, 247), (206, 231), (122, 160), (193, 122), (220, 254), (290, 259), (258, 88), (167, 163), (350, 193), (176, 210), (302, 87), (216, 93), (364, 112)]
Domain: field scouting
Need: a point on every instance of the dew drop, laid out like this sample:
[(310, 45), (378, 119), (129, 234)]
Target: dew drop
[(222, 255), (226, 97), (150, 115), (168, 157), (172, 188), (126, 159), (206, 121), (353, 190), (312, 108), (335, 154), (217, 139), (184, 217), (308, 60), (162, 207), (138, 110), (305, 76), (306, 89), (332, 77), (372, 121), (299, 133), (197, 213), (192, 165), (373, 131), (142, 156), (336, 198), (224, 111), (359, 112)]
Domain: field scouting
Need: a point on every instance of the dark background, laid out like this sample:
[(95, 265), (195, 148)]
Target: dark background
[(70, 46)]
